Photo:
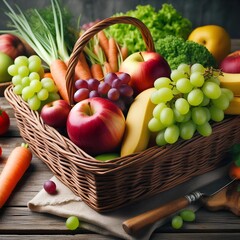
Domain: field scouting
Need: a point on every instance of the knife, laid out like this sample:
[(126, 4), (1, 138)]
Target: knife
[(133, 225)]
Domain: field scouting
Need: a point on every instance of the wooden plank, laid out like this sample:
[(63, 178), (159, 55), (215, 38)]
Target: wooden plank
[(155, 236), (58, 236), (206, 221), (196, 236)]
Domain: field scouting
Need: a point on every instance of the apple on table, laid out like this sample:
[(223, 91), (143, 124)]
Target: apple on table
[(144, 68), (96, 125)]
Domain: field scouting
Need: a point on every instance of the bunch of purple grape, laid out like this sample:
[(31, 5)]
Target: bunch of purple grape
[(114, 87)]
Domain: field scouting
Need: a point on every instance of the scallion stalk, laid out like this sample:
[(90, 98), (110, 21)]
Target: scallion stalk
[(46, 46)]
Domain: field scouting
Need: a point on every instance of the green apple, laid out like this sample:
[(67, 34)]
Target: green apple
[(5, 62), (107, 156)]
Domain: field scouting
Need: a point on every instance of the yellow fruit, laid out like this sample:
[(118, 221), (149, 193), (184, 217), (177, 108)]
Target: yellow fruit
[(137, 134), (215, 38), (234, 107), (231, 81)]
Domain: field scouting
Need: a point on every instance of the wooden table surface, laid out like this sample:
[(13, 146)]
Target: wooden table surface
[(18, 222)]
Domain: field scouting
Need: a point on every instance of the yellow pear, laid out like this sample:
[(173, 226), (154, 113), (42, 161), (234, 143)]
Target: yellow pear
[(215, 38)]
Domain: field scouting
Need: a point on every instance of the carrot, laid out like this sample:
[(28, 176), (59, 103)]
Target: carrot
[(17, 164), (113, 54), (107, 68), (103, 42), (82, 69), (58, 69), (124, 52), (97, 71), (47, 75)]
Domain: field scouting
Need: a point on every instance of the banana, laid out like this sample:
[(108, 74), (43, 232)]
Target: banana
[(137, 135), (231, 81), (234, 107)]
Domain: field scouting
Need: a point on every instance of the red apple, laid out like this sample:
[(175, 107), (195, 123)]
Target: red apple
[(12, 45), (144, 68), (96, 125), (231, 63), (55, 113)]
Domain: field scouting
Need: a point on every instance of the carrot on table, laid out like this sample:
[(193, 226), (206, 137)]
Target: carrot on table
[(58, 69), (16, 165), (97, 71), (103, 42), (113, 54), (82, 69)]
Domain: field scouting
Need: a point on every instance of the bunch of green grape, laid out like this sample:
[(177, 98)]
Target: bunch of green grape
[(189, 101), (27, 79)]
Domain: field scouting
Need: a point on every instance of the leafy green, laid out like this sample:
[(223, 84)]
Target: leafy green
[(176, 50), (166, 21)]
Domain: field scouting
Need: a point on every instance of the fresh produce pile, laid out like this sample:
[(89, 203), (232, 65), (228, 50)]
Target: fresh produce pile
[(126, 99)]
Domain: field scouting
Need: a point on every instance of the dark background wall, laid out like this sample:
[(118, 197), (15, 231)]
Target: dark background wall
[(225, 13)]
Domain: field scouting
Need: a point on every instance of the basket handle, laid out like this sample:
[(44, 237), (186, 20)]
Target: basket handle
[(83, 40)]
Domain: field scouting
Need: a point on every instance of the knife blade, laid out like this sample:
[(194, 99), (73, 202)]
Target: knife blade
[(134, 225)]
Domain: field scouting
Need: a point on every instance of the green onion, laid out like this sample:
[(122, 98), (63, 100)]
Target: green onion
[(46, 46), (59, 32)]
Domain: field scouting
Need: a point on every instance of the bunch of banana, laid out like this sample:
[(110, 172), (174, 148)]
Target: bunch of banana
[(232, 82)]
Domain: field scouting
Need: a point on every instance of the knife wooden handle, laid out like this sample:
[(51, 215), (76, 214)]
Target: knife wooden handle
[(133, 225)]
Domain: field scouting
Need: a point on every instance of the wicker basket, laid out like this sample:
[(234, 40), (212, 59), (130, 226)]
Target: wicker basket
[(106, 186)]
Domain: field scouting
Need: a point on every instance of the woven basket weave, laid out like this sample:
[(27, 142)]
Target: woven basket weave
[(106, 186)]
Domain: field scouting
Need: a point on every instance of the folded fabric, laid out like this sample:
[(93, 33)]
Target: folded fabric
[(64, 204)]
